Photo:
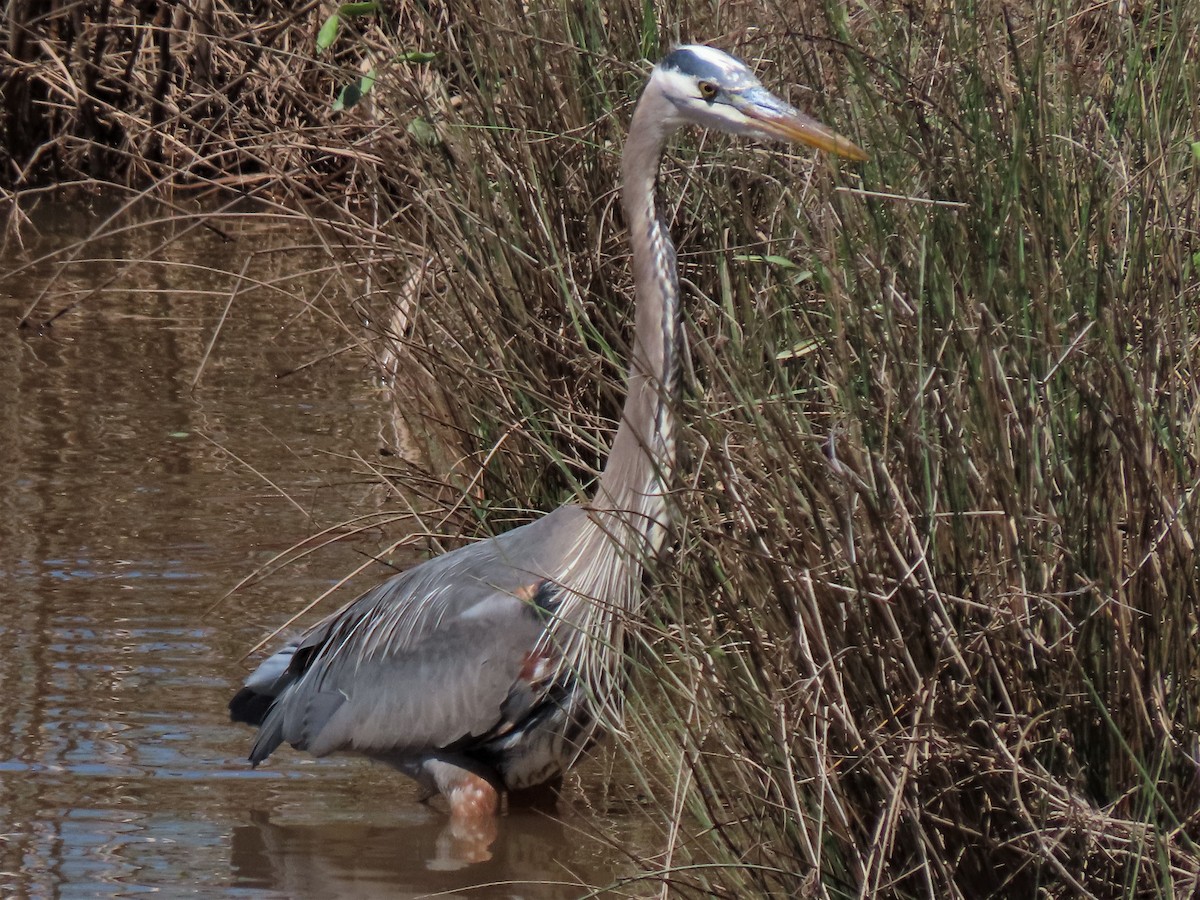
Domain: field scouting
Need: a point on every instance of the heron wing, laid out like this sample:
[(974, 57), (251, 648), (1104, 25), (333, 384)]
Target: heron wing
[(447, 688), (427, 659)]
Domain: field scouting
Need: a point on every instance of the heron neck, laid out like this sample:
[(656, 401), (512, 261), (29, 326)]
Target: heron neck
[(643, 453)]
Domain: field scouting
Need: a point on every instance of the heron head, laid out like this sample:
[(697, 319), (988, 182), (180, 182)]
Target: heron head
[(704, 86)]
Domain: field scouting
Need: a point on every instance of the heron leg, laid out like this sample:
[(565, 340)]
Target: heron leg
[(473, 793), (472, 790)]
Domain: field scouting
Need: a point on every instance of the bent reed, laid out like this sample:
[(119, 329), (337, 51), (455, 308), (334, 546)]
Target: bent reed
[(930, 626)]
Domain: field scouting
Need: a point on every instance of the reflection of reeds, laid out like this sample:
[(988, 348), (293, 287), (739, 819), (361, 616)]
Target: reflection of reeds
[(930, 627)]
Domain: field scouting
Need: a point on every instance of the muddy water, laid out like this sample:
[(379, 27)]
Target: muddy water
[(130, 502)]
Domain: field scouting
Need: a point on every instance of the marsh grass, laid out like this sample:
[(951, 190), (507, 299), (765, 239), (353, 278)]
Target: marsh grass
[(929, 628)]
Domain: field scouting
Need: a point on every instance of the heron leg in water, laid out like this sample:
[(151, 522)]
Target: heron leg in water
[(472, 789)]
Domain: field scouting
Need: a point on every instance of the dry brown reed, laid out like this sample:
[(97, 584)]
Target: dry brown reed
[(930, 626), (208, 97)]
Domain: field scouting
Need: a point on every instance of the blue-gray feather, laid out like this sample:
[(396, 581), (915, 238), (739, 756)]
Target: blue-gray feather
[(429, 659)]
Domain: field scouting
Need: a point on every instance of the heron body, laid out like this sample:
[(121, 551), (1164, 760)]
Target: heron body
[(492, 667)]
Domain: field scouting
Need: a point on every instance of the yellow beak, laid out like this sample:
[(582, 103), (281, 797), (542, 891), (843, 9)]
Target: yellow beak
[(775, 118)]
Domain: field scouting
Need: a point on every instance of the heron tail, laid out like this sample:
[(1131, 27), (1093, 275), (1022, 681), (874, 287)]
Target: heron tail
[(249, 706)]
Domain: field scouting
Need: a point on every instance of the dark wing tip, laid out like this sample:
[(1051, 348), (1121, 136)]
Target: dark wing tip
[(269, 738), (249, 706)]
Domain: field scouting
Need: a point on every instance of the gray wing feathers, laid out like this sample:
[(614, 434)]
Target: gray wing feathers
[(434, 695), (402, 610), (426, 659), (272, 675)]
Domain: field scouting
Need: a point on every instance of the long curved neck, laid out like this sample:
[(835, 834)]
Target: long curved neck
[(643, 452)]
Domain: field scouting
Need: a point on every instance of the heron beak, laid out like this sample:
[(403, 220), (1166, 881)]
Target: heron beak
[(775, 118)]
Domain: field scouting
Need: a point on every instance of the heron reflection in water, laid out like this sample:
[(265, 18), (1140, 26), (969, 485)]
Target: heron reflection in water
[(491, 668)]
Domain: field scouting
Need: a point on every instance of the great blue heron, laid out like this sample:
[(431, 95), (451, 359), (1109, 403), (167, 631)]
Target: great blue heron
[(491, 668)]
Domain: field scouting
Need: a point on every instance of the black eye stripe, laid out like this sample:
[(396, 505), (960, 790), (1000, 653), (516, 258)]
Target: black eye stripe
[(715, 67)]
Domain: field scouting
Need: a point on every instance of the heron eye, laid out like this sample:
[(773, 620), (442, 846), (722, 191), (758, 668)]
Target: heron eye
[(708, 90)]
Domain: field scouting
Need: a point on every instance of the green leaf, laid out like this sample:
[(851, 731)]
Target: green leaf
[(650, 40), (354, 91), (354, 10), (422, 132), (801, 348), (414, 56), (347, 97), (328, 33), (1196, 150), (782, 261)]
